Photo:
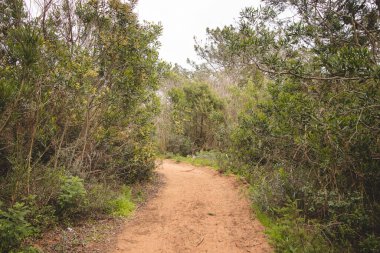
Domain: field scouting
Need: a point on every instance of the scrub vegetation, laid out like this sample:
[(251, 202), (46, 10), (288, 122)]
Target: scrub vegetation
[(295, 111), (78, 83), (288, 98)]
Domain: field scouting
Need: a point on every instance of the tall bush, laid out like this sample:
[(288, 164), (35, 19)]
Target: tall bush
[(309, 131)]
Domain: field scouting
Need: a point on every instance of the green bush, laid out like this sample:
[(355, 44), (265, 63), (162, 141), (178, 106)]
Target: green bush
[(14, 228), (41, 217), (132, 160), (123, 205), (99, 195), (290, 233), (371, 244), (180, 145), (28, 249), (72, 197), (48, 127), (197, 116), (308, 130)]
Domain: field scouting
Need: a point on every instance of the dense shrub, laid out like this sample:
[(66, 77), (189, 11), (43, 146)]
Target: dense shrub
[(14, 227), (99, 195), (291, 232), (309, 132), (289, 153), (41, 217), (196, 117), (123, 204), (72, 197), (77, 97), (179, 144), (137, 164)]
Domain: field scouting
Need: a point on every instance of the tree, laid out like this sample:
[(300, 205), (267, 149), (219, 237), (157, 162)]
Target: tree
[(78, 84), (313, 133), (196, 114)]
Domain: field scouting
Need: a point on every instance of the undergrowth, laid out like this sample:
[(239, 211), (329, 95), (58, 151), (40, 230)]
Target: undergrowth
[(122, 206), (203, 158), (25, 220), (287, 229), (289, 232)]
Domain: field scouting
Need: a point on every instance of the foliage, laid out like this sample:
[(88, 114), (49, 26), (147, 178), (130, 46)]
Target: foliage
[(123, 205), (14, 227), (196, 113), (179, 144), (291, 233), (78, 82), (99, 195), (40, 217), (88, 102), (203, 158), (308, 131), (72, 196)]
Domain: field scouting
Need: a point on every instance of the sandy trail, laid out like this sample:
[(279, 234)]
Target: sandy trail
[(197, 210)]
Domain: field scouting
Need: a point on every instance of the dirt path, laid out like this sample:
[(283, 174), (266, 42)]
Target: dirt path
[(196, 211)]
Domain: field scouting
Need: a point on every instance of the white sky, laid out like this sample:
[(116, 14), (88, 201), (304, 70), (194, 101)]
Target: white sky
[(184, 19)]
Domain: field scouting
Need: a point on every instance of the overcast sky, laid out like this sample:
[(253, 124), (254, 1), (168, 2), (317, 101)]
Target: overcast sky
[(184, 19)]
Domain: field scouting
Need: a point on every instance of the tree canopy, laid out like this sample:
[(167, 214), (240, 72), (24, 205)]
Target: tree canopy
[(310, 128)]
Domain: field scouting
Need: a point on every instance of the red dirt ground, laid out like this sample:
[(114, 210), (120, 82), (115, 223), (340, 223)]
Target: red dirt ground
[(197, 210)]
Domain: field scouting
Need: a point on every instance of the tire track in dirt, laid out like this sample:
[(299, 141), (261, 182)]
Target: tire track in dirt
[(197, 210)]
